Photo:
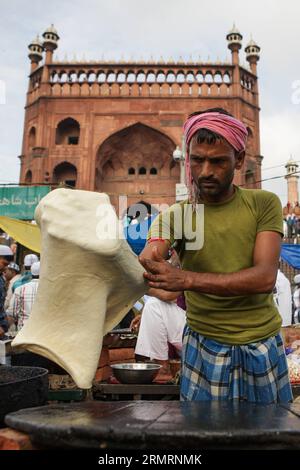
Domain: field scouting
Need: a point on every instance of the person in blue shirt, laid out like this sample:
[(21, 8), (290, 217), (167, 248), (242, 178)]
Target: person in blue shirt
[(26, 276)]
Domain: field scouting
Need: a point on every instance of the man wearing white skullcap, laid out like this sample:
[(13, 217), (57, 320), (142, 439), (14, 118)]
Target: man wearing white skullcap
[(24, 297), (6, 255)]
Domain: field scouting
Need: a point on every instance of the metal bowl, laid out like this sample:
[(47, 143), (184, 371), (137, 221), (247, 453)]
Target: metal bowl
[(136, 373)]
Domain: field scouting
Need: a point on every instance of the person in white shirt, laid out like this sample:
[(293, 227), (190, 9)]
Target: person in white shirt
[(24, 297), (296, 299), (283, 298), (11, 274), (161, 324)]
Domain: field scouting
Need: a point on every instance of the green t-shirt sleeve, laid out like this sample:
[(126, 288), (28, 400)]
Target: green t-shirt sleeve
[(168, 225), (269, 213)]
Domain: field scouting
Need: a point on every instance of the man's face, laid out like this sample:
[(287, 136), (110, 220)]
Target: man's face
[(9, 274), (3, 264), (212, 168)]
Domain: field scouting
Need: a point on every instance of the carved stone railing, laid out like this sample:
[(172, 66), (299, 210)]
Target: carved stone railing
[(141, 80)]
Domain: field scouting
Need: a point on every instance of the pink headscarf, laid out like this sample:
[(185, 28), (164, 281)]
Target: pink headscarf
[(231, 129)]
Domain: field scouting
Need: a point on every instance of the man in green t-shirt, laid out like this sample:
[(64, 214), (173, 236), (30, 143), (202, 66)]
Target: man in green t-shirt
[(231, 343)]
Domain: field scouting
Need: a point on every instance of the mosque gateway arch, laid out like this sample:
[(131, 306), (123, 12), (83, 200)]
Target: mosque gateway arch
[(137, 161)]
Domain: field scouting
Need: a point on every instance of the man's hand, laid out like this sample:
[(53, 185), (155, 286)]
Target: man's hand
[(161, 275), (135, 324), (164, 295)]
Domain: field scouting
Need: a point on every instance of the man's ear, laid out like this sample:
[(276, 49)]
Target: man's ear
[(239, 159)]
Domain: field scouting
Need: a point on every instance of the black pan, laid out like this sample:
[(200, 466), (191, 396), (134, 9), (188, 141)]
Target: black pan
[(22, 387)]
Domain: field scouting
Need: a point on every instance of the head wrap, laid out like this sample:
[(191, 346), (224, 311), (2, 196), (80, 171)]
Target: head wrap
[(231, 129)]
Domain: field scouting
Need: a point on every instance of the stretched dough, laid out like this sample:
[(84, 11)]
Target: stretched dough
[(89, 280)]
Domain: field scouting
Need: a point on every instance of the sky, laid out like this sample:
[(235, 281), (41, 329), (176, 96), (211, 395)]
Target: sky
[(167, 28)]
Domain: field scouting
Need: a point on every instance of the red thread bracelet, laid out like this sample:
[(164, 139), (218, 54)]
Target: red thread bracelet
[(156, 239)]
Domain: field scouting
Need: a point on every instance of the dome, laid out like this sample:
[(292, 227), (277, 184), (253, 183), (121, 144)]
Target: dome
[(35, 50), (252, 49), (234, 34), (36, 42), (51, 34), (291, 162), (51, 30)]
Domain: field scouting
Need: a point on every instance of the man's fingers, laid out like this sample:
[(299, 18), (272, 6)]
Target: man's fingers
[(152, 266), (153, 277)]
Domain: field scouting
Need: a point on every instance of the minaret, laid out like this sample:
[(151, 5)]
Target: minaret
[(35, 53), (252, 55), (292, 181), (50, 44), (234, 39)]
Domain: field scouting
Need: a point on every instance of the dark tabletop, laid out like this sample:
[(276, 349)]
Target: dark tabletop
[(161, 425)]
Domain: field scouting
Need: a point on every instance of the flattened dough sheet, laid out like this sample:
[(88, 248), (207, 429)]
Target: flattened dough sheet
[(89, 280)]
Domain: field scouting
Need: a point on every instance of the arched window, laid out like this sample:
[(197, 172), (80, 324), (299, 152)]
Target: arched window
[(65, 173), (111, 77), (142, 171), (171, 77), (131, 171), (226, 77), (32, 137), (151, 78), (153, 171), (190, 77), (101, 77), (92, 77), (67, 132), (131, 77), (250, 133), (180, 78), (208, 77), (161, 77), (121, 78), (199, 77), (218, 77), (141, 77), (250, 179), (28, 177)]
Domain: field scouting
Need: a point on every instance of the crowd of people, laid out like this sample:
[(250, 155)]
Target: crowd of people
[(18, 288), (291, 225)]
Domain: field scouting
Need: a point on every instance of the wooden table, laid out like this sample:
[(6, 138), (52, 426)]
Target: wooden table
[(180, 426)]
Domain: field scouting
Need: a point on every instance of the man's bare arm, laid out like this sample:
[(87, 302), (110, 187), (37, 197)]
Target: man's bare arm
[(154, 250), (260, 278)]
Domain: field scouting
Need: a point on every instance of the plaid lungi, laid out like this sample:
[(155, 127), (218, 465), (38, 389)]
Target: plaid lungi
[(256, 372)]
